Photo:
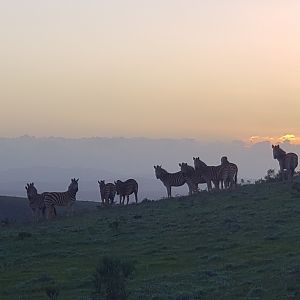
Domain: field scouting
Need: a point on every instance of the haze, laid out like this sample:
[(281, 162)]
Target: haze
[(204, 69)]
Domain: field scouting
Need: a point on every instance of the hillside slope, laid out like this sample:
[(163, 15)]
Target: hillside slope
[(230, 245), (17, 210)]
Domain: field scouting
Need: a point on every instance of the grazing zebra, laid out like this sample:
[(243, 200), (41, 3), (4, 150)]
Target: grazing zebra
[(287, 161), (229, 173), (36, 201), (193, 176), (172, 179), (126, 188), (209, 173), (67, 198), (107, 192)]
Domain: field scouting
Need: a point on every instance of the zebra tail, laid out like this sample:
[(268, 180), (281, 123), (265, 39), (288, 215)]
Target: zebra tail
[(235, 178)]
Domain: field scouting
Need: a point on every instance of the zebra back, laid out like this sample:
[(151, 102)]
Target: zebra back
[(67, 198), (212, 173), (191, 173), (170, 179), (127, 187)]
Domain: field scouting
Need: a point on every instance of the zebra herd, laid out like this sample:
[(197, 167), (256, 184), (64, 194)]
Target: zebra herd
[(224, 174), (44, 204), (123, 189)]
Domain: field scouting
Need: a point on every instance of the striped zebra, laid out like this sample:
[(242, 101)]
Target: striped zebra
[(193, 176), (126, 188), (172, 179), (287, 161), (229, 173), (209, 173), (67, 198), (36, 201), (107, 192)]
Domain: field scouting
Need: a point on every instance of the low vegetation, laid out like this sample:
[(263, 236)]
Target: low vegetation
[(241, 244)]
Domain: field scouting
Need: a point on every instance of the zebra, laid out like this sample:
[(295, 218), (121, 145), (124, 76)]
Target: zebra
[(193, 176), (287, 161), (172, 179), (67, 198), (36, 201), (229, 173), (126, 188), (209, 173), (107, 192)]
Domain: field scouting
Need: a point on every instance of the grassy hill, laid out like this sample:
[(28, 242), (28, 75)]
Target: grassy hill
[(228, 245)]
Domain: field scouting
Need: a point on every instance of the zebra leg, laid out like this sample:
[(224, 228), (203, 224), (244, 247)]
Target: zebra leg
[(209, 187), (169, 191), (190, 189), (127, 199), (216, 184), (48, 213), (136, 198)]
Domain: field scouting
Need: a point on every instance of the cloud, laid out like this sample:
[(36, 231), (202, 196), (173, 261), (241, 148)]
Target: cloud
[(291, 138)]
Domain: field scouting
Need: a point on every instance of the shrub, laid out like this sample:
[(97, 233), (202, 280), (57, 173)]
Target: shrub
[(110, 279), (52, 292)]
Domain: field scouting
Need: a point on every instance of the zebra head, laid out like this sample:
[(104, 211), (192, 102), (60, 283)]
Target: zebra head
[(198, 163), (185, 168), (31, 190), (159, 171), (278, 152), (73, 187), (101, 184), (224, 160)]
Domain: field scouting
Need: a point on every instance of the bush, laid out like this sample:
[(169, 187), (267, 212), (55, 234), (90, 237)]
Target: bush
[(52, 292), (110, 279)]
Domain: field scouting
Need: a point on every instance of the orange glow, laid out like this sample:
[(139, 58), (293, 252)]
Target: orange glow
[(289, 137)]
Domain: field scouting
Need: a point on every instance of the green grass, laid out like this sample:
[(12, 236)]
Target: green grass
[(231, 245)]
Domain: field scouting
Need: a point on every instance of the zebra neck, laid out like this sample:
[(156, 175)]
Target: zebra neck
[(72, 195)]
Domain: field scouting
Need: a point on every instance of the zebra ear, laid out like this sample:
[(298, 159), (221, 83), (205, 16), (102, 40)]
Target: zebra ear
[(77, 180), (273, 146), (180, 165)]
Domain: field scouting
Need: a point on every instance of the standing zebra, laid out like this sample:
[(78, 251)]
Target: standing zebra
[(193, 176), (172, 179), (287, 161), (67, 198), (126, 188), (209, 173), (107, 192), (229, 173), (36, 201)]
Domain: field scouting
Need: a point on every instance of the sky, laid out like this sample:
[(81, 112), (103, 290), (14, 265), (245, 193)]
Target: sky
[(203, 69)]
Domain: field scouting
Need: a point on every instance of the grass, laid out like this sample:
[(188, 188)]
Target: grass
[(231, 245)]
